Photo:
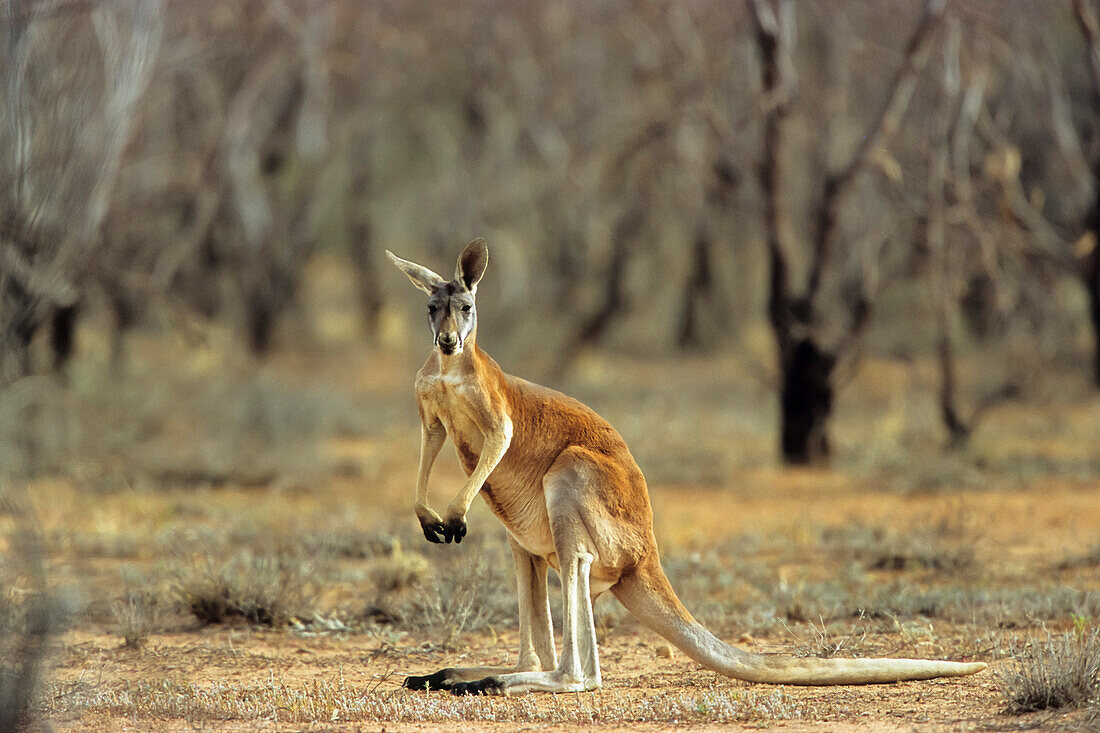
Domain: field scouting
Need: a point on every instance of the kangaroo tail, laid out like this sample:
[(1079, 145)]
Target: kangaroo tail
[(646, 593)]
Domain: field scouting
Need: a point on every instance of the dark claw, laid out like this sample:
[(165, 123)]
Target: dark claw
[(487, 686), (432, 530), (434, 681), (455, 528)]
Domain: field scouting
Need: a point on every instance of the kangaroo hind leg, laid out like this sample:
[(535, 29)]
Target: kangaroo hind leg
[(578, 667)]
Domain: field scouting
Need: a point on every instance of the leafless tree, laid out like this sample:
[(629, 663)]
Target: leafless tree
[(964, 248), (1088, 251), (276, 130), (808, 355), (236, 130), (1051, 143), (70, 88)]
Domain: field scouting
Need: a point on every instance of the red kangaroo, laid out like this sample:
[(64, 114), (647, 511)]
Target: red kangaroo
[(571, 497)]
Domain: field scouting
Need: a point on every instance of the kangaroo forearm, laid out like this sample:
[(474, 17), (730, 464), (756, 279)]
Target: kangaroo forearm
[(491, 454), (422, 481), (431, 440), (470, 489)]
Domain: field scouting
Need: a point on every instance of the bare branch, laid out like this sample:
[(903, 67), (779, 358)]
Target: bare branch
[(17, 52), (1051, 244), (886, 122), (773, 32), (127, 68), (311, 138), (253, 115), (1090, 28), (39, 282), (943, 295), (882, 126)]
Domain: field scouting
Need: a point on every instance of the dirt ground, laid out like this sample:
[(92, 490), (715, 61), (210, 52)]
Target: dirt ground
[(754, 549), (1027, 527)]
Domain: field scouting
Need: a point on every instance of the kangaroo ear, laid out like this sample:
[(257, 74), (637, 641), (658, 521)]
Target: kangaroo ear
[(421, 276), (471, 264)]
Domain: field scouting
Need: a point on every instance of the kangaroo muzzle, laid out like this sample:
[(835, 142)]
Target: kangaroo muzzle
[(448, 342)]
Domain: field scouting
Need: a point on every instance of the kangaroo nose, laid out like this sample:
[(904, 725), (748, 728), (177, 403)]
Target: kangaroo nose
[(448, 339)]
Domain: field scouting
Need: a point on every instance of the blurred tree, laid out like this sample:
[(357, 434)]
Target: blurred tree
[(1087, 249), (808, 356), (1049, 143), (276, 136), (235, 134), (964, 251), (70, 88)]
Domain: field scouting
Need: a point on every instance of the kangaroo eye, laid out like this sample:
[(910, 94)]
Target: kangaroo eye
[(465, 309), (432, 309)]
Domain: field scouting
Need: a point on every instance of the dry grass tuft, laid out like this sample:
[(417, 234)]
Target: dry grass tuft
[(267, 589), (136, 616), (947, 546), (469, 588), (399, 571), (824, 643), (475, 596), (1057, 673)]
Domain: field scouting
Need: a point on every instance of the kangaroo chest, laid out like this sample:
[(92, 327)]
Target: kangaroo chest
[(514, 488), (455, 402)]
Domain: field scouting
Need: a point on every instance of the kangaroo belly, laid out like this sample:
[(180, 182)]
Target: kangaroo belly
[(522, 510), (515, 498)]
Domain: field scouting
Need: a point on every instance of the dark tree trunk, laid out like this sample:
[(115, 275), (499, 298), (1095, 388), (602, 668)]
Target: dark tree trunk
[(1092, 287), (958, 429), (1089, 24), (367, 285), (697, 287), (18, 326), (271, 289), (806, 404), (271, 294), (198, 281), (568, 263), (126, 315), (62, 335), (25, 331), (614, 299), (1091, 274), (261, 324), (361, 252)]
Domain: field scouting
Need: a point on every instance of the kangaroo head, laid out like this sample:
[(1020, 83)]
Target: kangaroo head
[(452, 312)]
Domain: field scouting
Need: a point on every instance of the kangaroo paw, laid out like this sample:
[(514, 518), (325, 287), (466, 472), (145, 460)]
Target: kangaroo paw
[(435, 681), (487, 686), (454, 528)]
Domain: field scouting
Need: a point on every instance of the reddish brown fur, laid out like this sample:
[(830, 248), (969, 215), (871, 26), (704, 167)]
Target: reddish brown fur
[(545, 423)]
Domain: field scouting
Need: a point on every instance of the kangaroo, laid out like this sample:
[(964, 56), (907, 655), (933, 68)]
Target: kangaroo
[(571, 497)]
